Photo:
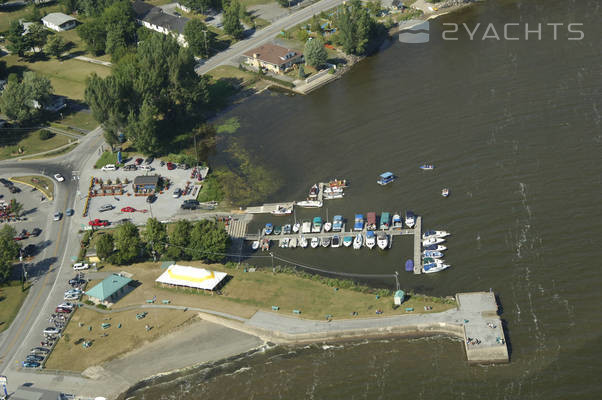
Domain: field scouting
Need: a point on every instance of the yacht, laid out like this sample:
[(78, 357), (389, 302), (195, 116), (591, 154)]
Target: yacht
[(269, 228), (347, 241), (306, 226), (359, 222), (286, 229), (316, 226), (385, 178), (325, 241), (435, 247), (333, 196), (255, 245), (337, 223), (292, 243), (310, 204), (432, 240), (410, 219), (432, 254), (382, 240), (437, 234), (315, 242), (357, 242), (431, 268), (430, 260), (303, 242), (327, 226), (296, 227), (370, 239), (333, 189), (397, 224), (336, 241)]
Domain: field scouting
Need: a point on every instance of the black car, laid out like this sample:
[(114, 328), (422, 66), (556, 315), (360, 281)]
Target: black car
[(151, 198), (76, 281), (36, 232), (189, 206), (6, 182), (34, 358), (149, 160), (30, 250), (130, 167), (14, 189)]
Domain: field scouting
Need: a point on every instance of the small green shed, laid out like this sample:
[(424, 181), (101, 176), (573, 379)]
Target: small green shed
[(399, 297)]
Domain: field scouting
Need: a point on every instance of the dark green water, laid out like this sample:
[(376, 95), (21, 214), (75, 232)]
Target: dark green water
[(514, 130)]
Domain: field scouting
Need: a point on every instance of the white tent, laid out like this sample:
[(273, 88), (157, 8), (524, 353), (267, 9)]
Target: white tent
[(199, 278)]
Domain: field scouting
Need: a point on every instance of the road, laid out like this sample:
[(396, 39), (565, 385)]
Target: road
[(266, 34), (53, 263)]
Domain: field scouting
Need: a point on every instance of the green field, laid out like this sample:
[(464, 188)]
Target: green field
[(43, 184), (81, 119), (11, 299), (17, 13), (28, 142)]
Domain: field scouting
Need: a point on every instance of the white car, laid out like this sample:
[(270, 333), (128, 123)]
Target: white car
[(109, 167), (51, 331), (72, 296), (80, 266), (59, 177), (145, 168), (67, 305), (57, 216)]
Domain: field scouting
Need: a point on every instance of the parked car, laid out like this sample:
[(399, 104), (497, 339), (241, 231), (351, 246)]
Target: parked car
[(6, 182), (51, 330), (151, 198), (69, 212), (80, 266), (62, 310), (67, 305), (43, 350), (149, 160), (183, 166), (72, 296), (31, 364), (57, 216), (99, 222), (76, 281), (109, 167), (128, 209), (145, 168), (30, 250), (138, 161), (130, 167), (177, 193), (106, 207), (59, 177), (34, 358), (13, 189), (36, 232), (171, 166)]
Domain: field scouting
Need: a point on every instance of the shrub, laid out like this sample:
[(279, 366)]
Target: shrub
[(101, 306), (89, 302), (45, 134)]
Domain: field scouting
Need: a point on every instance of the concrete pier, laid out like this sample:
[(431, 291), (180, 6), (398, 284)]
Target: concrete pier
[(418, 246)]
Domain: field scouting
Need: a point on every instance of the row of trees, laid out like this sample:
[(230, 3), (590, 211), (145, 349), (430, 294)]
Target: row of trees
[(9, 251), (24, 100), (37, 39), (355, 27), (202, 240)]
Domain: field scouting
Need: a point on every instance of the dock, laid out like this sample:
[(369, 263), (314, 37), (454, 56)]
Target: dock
[(417, 246), (269, 208)]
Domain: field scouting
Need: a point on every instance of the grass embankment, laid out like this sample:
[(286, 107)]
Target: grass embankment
[(11, 299), (29, 143), (80, 120), (43, 184), (108, 157)]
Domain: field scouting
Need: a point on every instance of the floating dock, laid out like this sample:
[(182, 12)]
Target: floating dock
[(418, 246), (269, 208)]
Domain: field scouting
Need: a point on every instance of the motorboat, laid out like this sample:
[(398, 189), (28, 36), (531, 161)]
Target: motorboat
[(370, 239), (315, 242), (432, 233), (347, 241), (359, 222), (325, 241), (336, 241), (427, 167), (338, 183), (435, 247), (385, 221), (286, 229), (269, 228), (292, 243), (432, 240), (277, 230), (385, 178), (303, 242), (409, 265), (432, 254), (296, 227), (432, 268), (410, 219), (265, 244), (313, 191), (397, 223), (255, 245), (333, 196), (382, 240), (310, 204), (281, 210), (430, 260), (371, 221), (358, 241), (284, 243), (316, 226), (337, 223), (306, 226), (327, 226), (333, 189), (445, 192)]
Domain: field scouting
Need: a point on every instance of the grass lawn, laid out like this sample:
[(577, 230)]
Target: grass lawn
[(109, 157), (108, 344), (82, 119), (43, 184), (9, 14), (67, 77), (11, 299), (249, 3), (29, 142)]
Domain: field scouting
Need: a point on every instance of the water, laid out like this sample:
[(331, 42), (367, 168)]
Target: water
[(513, 128)]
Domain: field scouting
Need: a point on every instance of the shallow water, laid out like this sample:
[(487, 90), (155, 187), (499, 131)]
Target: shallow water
[(513, 128)]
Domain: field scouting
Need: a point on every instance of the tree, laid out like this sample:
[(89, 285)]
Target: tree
[(208, 241), (179, 240), (346, 30), (9, 251), (18, 42), (105, 246), (37, 36), (199, 38), (301, 72), (315, 53), (69, 6), (127, 243), (232, 25), (15, 207), (155, 235), (55, 46), (142, 129), (23, 101), (93, 33), (315, 25)]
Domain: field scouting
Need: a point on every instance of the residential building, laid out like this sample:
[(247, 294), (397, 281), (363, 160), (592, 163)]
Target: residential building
[(59, 22), (272, 57), (156, 19)]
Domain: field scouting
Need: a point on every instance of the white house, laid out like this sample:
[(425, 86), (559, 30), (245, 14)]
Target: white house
[(59, 22), (156, 19)]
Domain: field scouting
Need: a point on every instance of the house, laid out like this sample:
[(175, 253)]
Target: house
[(110, 290), (59, 22), (156, 19), (272, 57), (146, 184), (55, 104)]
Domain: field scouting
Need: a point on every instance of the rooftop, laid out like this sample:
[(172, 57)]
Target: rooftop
[(156, 16), (273, 54), (109, 286), (58, 18), (146, 180)]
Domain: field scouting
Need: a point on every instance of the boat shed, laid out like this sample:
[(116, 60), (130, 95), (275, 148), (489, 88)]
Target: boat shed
[(110, 290), (146, 184)]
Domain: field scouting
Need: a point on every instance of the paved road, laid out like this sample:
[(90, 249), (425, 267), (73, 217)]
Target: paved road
[(268, 33)]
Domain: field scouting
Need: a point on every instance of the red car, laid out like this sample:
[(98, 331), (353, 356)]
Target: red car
[(171, 166), (128, 209), (62, 310), (138, 161), (99, 222)]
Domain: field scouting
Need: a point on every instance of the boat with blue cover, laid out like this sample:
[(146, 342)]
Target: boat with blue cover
[(385, 178), (410, 265), (337, 223), (269, 228), (316, 226), (370, 239), (385, 221), (359, 222), (435, 247), (432, 254)]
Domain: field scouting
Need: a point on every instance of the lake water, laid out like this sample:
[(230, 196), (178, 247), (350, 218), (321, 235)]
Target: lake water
[(514, 130)]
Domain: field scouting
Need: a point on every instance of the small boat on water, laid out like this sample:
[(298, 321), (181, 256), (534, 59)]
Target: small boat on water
[(325, 241), (432, 233), (338, 183), (286, 229), (359, 222), (306, 226), (333, 196), (337, 223), (358, 241), (269, 228), (292, 243), (336, 241), (382, 240), (432, 254), (296, 227), (277, 230), (430, 260), (371, 221), (410, 219), (303, 242), (432, 268), (315, 242), (327, 226), (313, 191), (397, 223), (427, 167), (385, 178), (281, 210), (409, 265), (255, 245), (284, 243), (370, 239), (333, 189), (445, 192), (347, 241), (385, 221), (265, 244), (316, 226), (310, 204), (432, 240), (435, 247)]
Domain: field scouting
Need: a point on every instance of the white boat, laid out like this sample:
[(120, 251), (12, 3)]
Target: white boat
[(358, 241), (442, 234), (431, 260), (327, 226), (292, 243), (306, 226), (435, 247), (284, 243), (281, 210), (315, 242), (397, 224), (310, 204), (370, 239), (382, 240), (437, 234), (336, 241), (286, 229), (410, 219), (333, 189), (333, 196), (325, 241), (347, 241), (427, 167), (296, 227), (255, 245), (303, 242), (445, 192), (432, 268), (432, 240), (432, 254)]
